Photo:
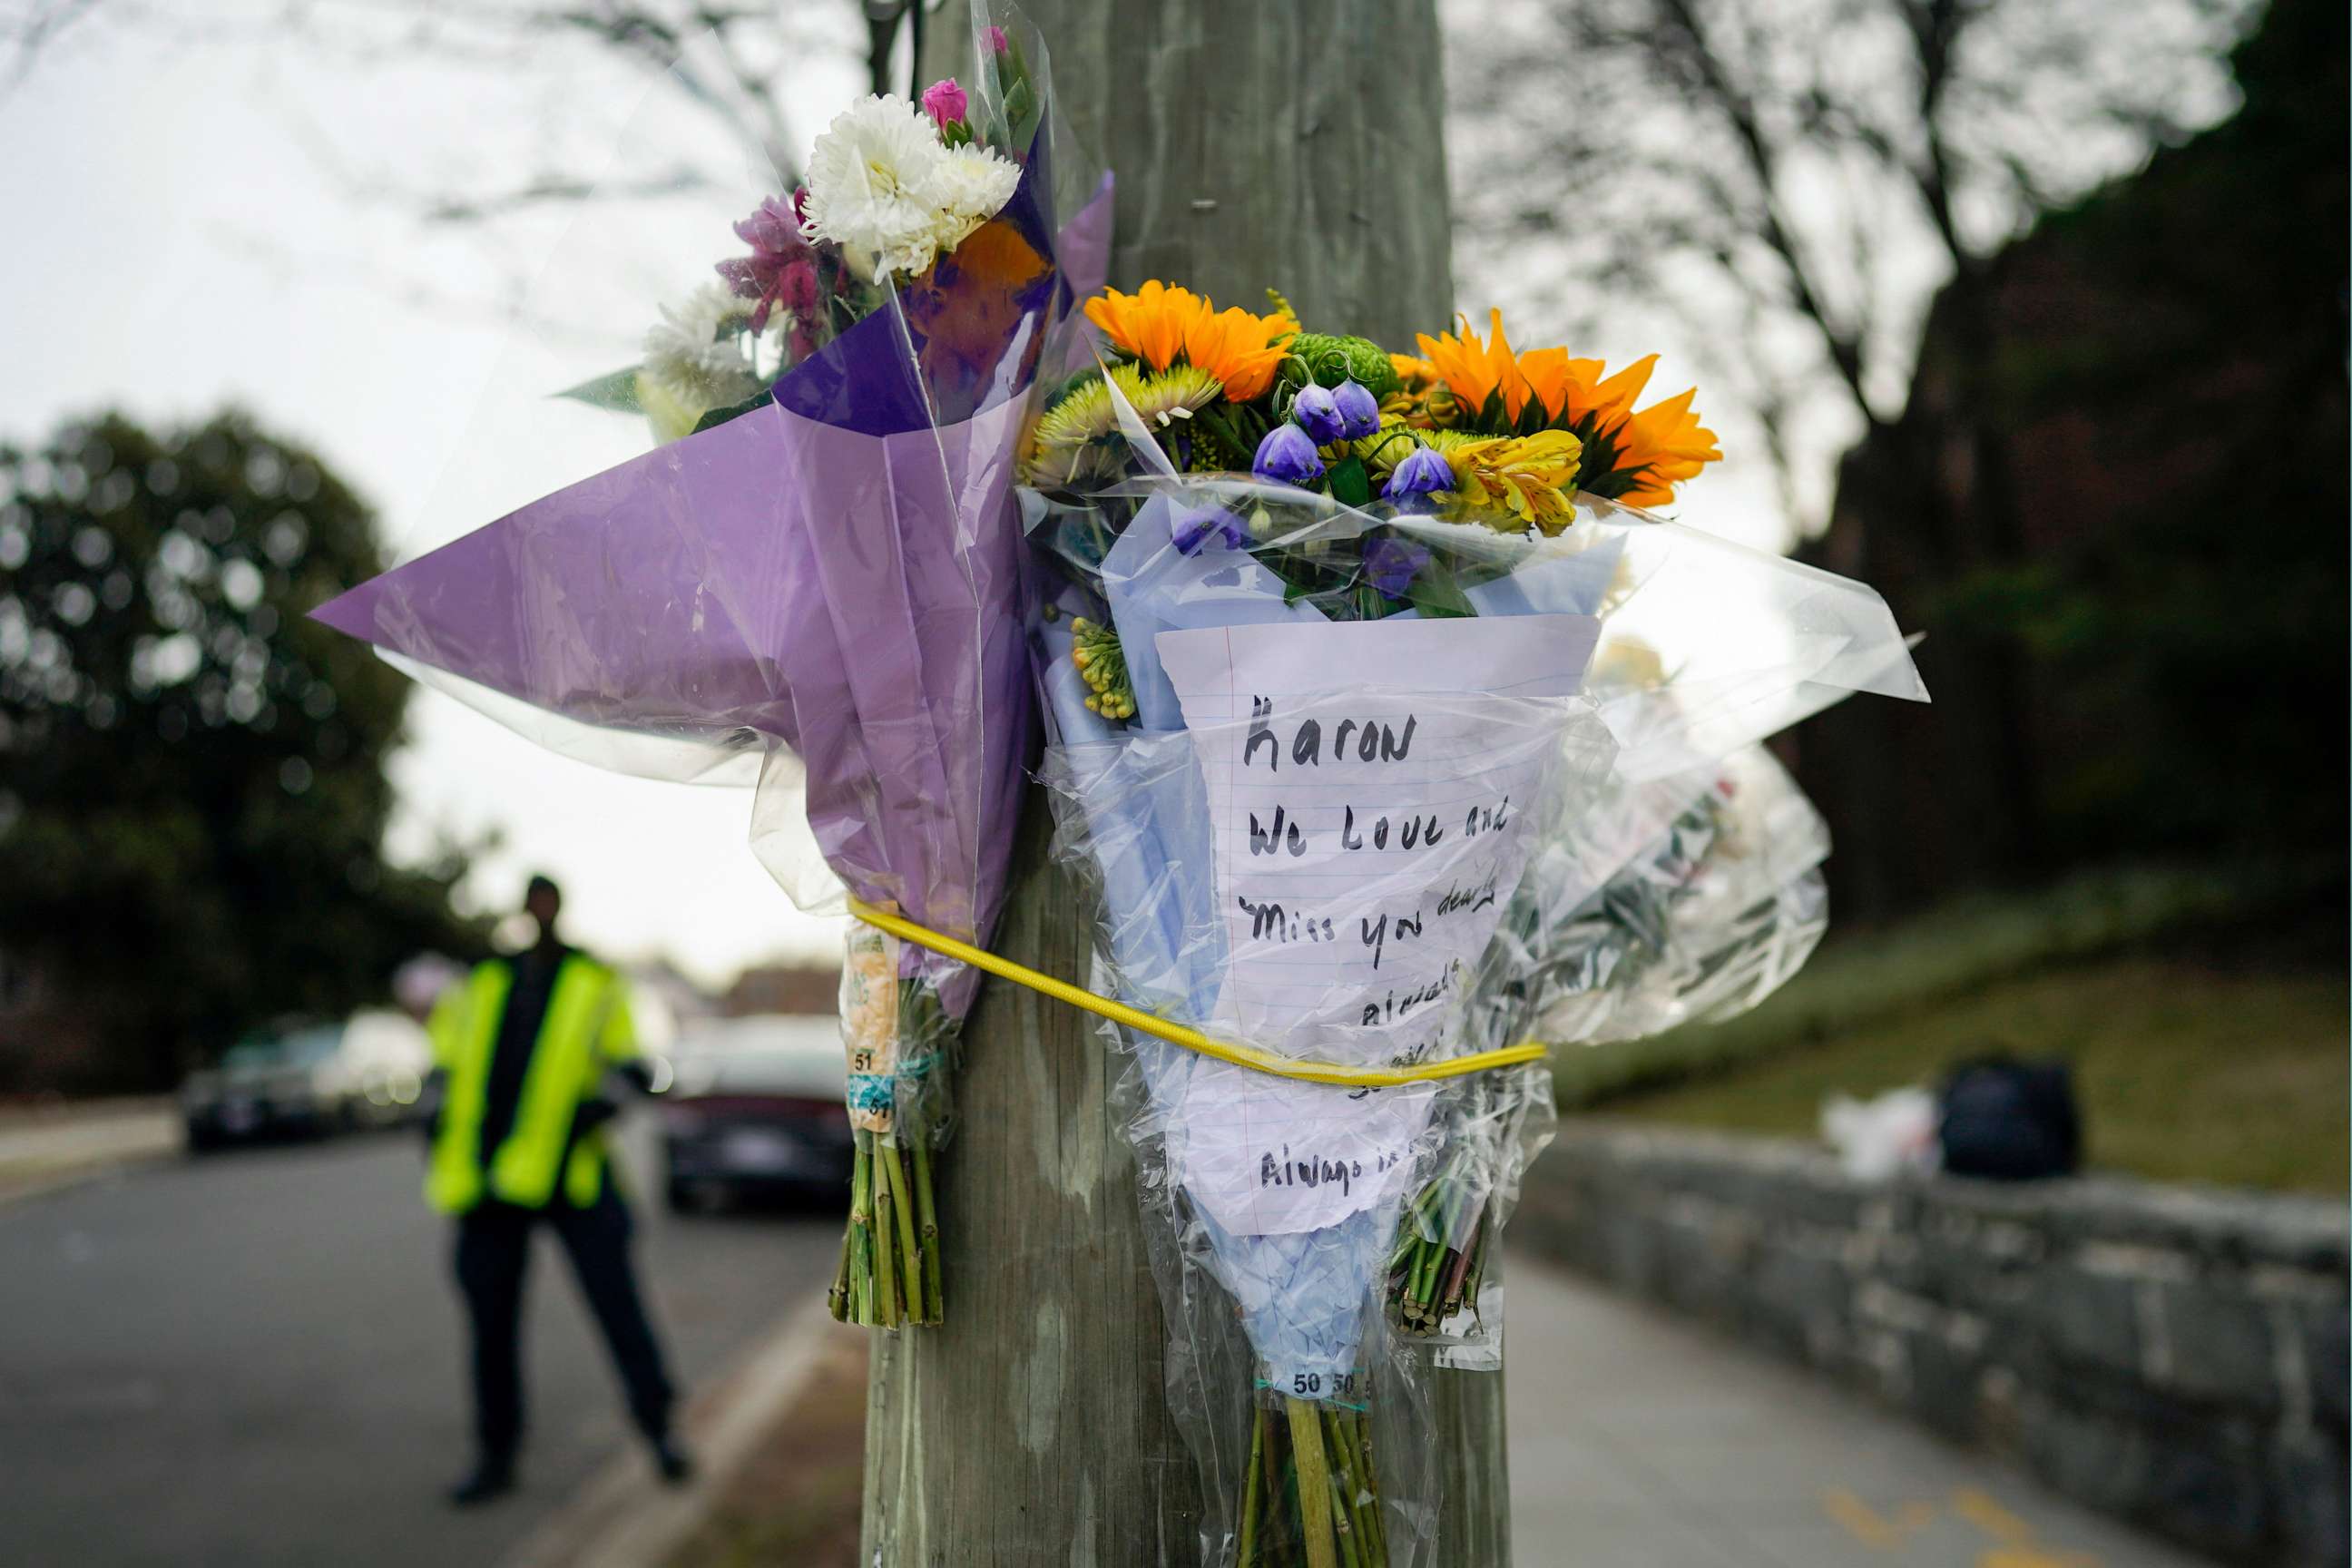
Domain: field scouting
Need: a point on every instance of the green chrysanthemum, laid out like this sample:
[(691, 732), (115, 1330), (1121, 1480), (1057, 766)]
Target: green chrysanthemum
[(1331, 360), (1177, 393), (1085, 418), (1075, 428), (1083, 414)]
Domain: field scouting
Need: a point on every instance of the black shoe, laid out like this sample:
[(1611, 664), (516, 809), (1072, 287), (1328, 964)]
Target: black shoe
[(486, 1481), (670, 1459)]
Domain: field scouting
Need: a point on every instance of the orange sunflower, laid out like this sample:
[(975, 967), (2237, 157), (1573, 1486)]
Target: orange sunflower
[(1662, 445), (1147, 323), (1239, 347), (1572, 389), (1476, 370), (1668, 445)]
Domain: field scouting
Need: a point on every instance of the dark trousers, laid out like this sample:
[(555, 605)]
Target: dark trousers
[(493, 1253)]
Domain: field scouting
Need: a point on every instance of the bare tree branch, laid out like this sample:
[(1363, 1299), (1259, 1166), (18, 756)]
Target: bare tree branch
[(1762, 176), (36, 26)]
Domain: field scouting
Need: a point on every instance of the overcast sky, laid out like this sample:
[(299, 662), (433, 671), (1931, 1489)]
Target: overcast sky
[(191, 228)]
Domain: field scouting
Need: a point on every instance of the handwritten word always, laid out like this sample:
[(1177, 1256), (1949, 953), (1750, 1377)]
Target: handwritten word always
[(1311, 1170)]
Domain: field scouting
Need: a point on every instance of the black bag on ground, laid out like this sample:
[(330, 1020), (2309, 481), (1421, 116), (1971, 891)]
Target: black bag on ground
[(2009, 1120)]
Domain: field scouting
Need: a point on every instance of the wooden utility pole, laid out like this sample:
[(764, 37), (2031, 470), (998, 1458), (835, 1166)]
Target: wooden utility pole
[(1296, 145)]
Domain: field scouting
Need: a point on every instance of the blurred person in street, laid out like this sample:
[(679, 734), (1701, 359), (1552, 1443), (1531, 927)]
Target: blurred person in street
[(522, 1047)]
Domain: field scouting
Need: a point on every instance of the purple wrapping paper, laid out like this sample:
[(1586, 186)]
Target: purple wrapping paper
[(837, 573)]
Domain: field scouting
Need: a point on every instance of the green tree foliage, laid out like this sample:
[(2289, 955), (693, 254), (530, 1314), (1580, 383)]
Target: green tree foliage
[(2194, 621), (2156, 377), (192, 775)]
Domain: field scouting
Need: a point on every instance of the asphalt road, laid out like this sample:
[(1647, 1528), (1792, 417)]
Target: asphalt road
[(254, 1358)]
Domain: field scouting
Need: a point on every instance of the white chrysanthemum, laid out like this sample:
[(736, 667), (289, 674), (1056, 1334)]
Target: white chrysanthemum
[(696, 352), (869, 184), (883, 187), (971, 187)]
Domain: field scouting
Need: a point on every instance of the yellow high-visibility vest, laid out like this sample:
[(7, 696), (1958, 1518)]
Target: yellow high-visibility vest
[(586, 1030)]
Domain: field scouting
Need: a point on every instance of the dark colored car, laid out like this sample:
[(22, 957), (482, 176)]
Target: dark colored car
[(755, 1111), (308, 1080), (281, 1083)]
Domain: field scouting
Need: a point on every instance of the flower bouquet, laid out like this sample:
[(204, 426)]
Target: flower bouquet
[(1701, 923), (820, 564), (1349, 660)]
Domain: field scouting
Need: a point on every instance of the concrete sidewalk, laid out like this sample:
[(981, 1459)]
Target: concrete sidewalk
[(1638, 1441), (46, 1149)]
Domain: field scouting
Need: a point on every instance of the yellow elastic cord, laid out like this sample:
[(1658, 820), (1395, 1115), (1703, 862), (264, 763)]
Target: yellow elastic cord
[(1191, 1039)]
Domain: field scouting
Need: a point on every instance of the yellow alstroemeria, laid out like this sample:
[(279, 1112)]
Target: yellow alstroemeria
[(1531, 478)]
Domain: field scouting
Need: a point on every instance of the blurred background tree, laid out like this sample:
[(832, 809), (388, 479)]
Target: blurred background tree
[(2035, 310), (192, 794), (2160, 372), (1778, 188), (2069, 378)]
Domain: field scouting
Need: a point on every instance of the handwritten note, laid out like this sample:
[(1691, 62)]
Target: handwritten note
[(1370, 787)]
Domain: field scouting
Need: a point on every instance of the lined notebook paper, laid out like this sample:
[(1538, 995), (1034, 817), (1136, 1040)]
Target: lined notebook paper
[(1370, 787)]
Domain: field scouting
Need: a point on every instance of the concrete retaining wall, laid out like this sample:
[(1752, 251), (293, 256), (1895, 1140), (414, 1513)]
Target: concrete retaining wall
[(2175, 1356)]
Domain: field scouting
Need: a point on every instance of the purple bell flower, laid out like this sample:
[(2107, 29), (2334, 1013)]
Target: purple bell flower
[(1196, 527), (1288, 457), (1390, 564), (1359, 411), (1423, 474), (1317, 412)]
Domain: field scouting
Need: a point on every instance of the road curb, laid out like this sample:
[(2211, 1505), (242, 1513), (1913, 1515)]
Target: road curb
[(41, 1156), (623, 1517)]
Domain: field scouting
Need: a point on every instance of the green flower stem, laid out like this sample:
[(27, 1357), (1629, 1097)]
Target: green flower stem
[(1363, 1497), (837, 1300), (861, 1230), (1458, 1274), (1343, 1526), (934, 1300), (1347, 1489), (891, 1274), (1380, 1526), (1424, 1284), (1314, 1483), (911, 1272), (886, 1273), (1247, 1556), (1281, 1491)]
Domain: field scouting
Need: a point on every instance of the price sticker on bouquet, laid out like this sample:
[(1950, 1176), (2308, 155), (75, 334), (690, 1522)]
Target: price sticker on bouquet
[(1370, 789), (869, 1025)]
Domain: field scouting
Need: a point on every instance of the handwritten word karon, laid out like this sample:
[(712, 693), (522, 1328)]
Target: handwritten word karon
[(1371, 740)]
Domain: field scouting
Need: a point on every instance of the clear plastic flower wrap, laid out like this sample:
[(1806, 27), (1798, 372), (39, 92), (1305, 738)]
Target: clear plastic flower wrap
[(1280, 722), (818, 568), (1336, 932), (1702, 920)]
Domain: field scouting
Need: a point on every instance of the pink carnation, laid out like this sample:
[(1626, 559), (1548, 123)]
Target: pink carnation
[(944, 101)]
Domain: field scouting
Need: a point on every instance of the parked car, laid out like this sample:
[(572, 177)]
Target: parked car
[(385, 1057), (755, 1110), (308, 1078)]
